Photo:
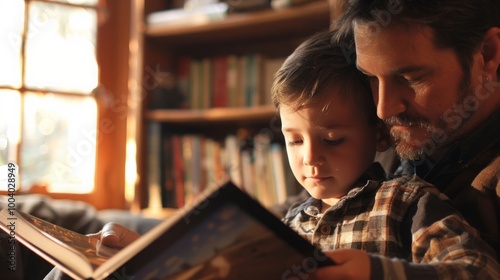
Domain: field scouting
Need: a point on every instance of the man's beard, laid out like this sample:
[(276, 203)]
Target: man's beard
[(436, 137)]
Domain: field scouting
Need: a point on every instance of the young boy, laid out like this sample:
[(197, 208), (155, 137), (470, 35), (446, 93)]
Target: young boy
[(406, 228)]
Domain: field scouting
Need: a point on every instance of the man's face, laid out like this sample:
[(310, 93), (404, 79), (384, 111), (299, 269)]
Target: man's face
[(419, 89)]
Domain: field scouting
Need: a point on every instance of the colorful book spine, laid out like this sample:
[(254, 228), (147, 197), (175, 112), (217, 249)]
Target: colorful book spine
[(220, 82)]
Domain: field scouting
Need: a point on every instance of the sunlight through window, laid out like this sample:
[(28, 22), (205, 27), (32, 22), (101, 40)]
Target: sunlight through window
[(48, 115)]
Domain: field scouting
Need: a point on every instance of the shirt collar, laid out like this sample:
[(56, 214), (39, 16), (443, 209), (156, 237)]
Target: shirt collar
[(368, 182)]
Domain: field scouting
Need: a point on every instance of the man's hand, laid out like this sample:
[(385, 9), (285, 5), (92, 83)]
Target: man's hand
[(350, 264)]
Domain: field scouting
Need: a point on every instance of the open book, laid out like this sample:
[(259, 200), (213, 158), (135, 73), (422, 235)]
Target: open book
[(224, 234)]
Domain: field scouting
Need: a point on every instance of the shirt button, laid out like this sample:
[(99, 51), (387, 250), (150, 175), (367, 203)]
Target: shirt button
[(325, 229)]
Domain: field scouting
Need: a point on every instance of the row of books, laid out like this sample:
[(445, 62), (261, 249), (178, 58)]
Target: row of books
[(227, 80), (182, 166)]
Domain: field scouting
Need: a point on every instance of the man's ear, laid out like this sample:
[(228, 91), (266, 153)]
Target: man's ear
[(383, 137), (491, 52)]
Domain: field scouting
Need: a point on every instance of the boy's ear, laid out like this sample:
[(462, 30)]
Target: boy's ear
[(383, 137), (491, 52)]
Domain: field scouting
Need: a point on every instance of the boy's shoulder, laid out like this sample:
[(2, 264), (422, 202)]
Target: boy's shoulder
[(410, 186)]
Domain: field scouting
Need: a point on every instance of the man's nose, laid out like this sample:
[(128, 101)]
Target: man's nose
[(389, 99)]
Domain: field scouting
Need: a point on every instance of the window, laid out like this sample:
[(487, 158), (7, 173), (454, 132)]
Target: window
[(48, 113)]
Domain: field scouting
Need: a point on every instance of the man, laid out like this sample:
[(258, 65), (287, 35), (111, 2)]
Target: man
[(433, 67)]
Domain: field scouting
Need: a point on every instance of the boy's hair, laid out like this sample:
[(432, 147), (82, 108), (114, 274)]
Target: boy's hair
[(321, 66), (459, 25)]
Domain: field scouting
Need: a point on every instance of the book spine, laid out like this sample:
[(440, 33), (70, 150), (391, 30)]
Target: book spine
[(242, 81), (233, 80), (168, 195), (179, 170), (233, 159), (220, 81), (270, 67), (196, 165), (183, 79), (249, 90), (154, 154), (206, 80), (278, 172), (248, 171), (195, 84), (187, 158), (264, 184)]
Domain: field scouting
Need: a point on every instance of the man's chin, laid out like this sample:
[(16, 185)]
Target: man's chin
[(417, 148), (408, 151), (412, 143)]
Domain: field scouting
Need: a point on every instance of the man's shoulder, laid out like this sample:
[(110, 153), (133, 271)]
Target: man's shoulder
[(485, 138), (489, 176)]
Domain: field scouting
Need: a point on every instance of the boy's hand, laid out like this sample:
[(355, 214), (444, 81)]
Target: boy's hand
[(115, 236), (350, 264)]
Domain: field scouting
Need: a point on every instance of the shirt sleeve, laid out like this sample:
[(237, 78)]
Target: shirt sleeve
[(444, 246)]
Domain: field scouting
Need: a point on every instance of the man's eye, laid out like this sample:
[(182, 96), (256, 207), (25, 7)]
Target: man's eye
[(410, 81), (334, 142)]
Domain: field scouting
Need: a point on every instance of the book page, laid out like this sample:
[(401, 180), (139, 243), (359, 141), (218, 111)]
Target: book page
[(70, 239)]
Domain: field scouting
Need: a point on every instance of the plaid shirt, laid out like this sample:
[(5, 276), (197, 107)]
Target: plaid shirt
[(409, 229), (469, 174)]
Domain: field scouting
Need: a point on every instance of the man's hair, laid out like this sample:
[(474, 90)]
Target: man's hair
[(456, 24), (321, 66)]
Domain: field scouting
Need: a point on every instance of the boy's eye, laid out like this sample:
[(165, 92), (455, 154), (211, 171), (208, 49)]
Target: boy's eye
[(334, 142), (294, 143)]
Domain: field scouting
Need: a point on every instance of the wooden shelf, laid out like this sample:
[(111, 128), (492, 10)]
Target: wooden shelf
[(263, 24), (212, 115), (273, 34)]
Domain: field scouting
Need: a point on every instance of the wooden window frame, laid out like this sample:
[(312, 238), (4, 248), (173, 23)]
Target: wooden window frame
[(112, 50)]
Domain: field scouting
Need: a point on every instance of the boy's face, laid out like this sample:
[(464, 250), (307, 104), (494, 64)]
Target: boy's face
[(328, 150)]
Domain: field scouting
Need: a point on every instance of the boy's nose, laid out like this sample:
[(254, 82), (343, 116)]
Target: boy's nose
[(313, 156)]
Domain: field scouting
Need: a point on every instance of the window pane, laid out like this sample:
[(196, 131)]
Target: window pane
[(59, 142), (11, 26), (9, 125), (60, 48)]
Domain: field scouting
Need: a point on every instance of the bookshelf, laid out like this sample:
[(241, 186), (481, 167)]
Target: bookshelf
[(301, 19), (215, 115), (268, 33)]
